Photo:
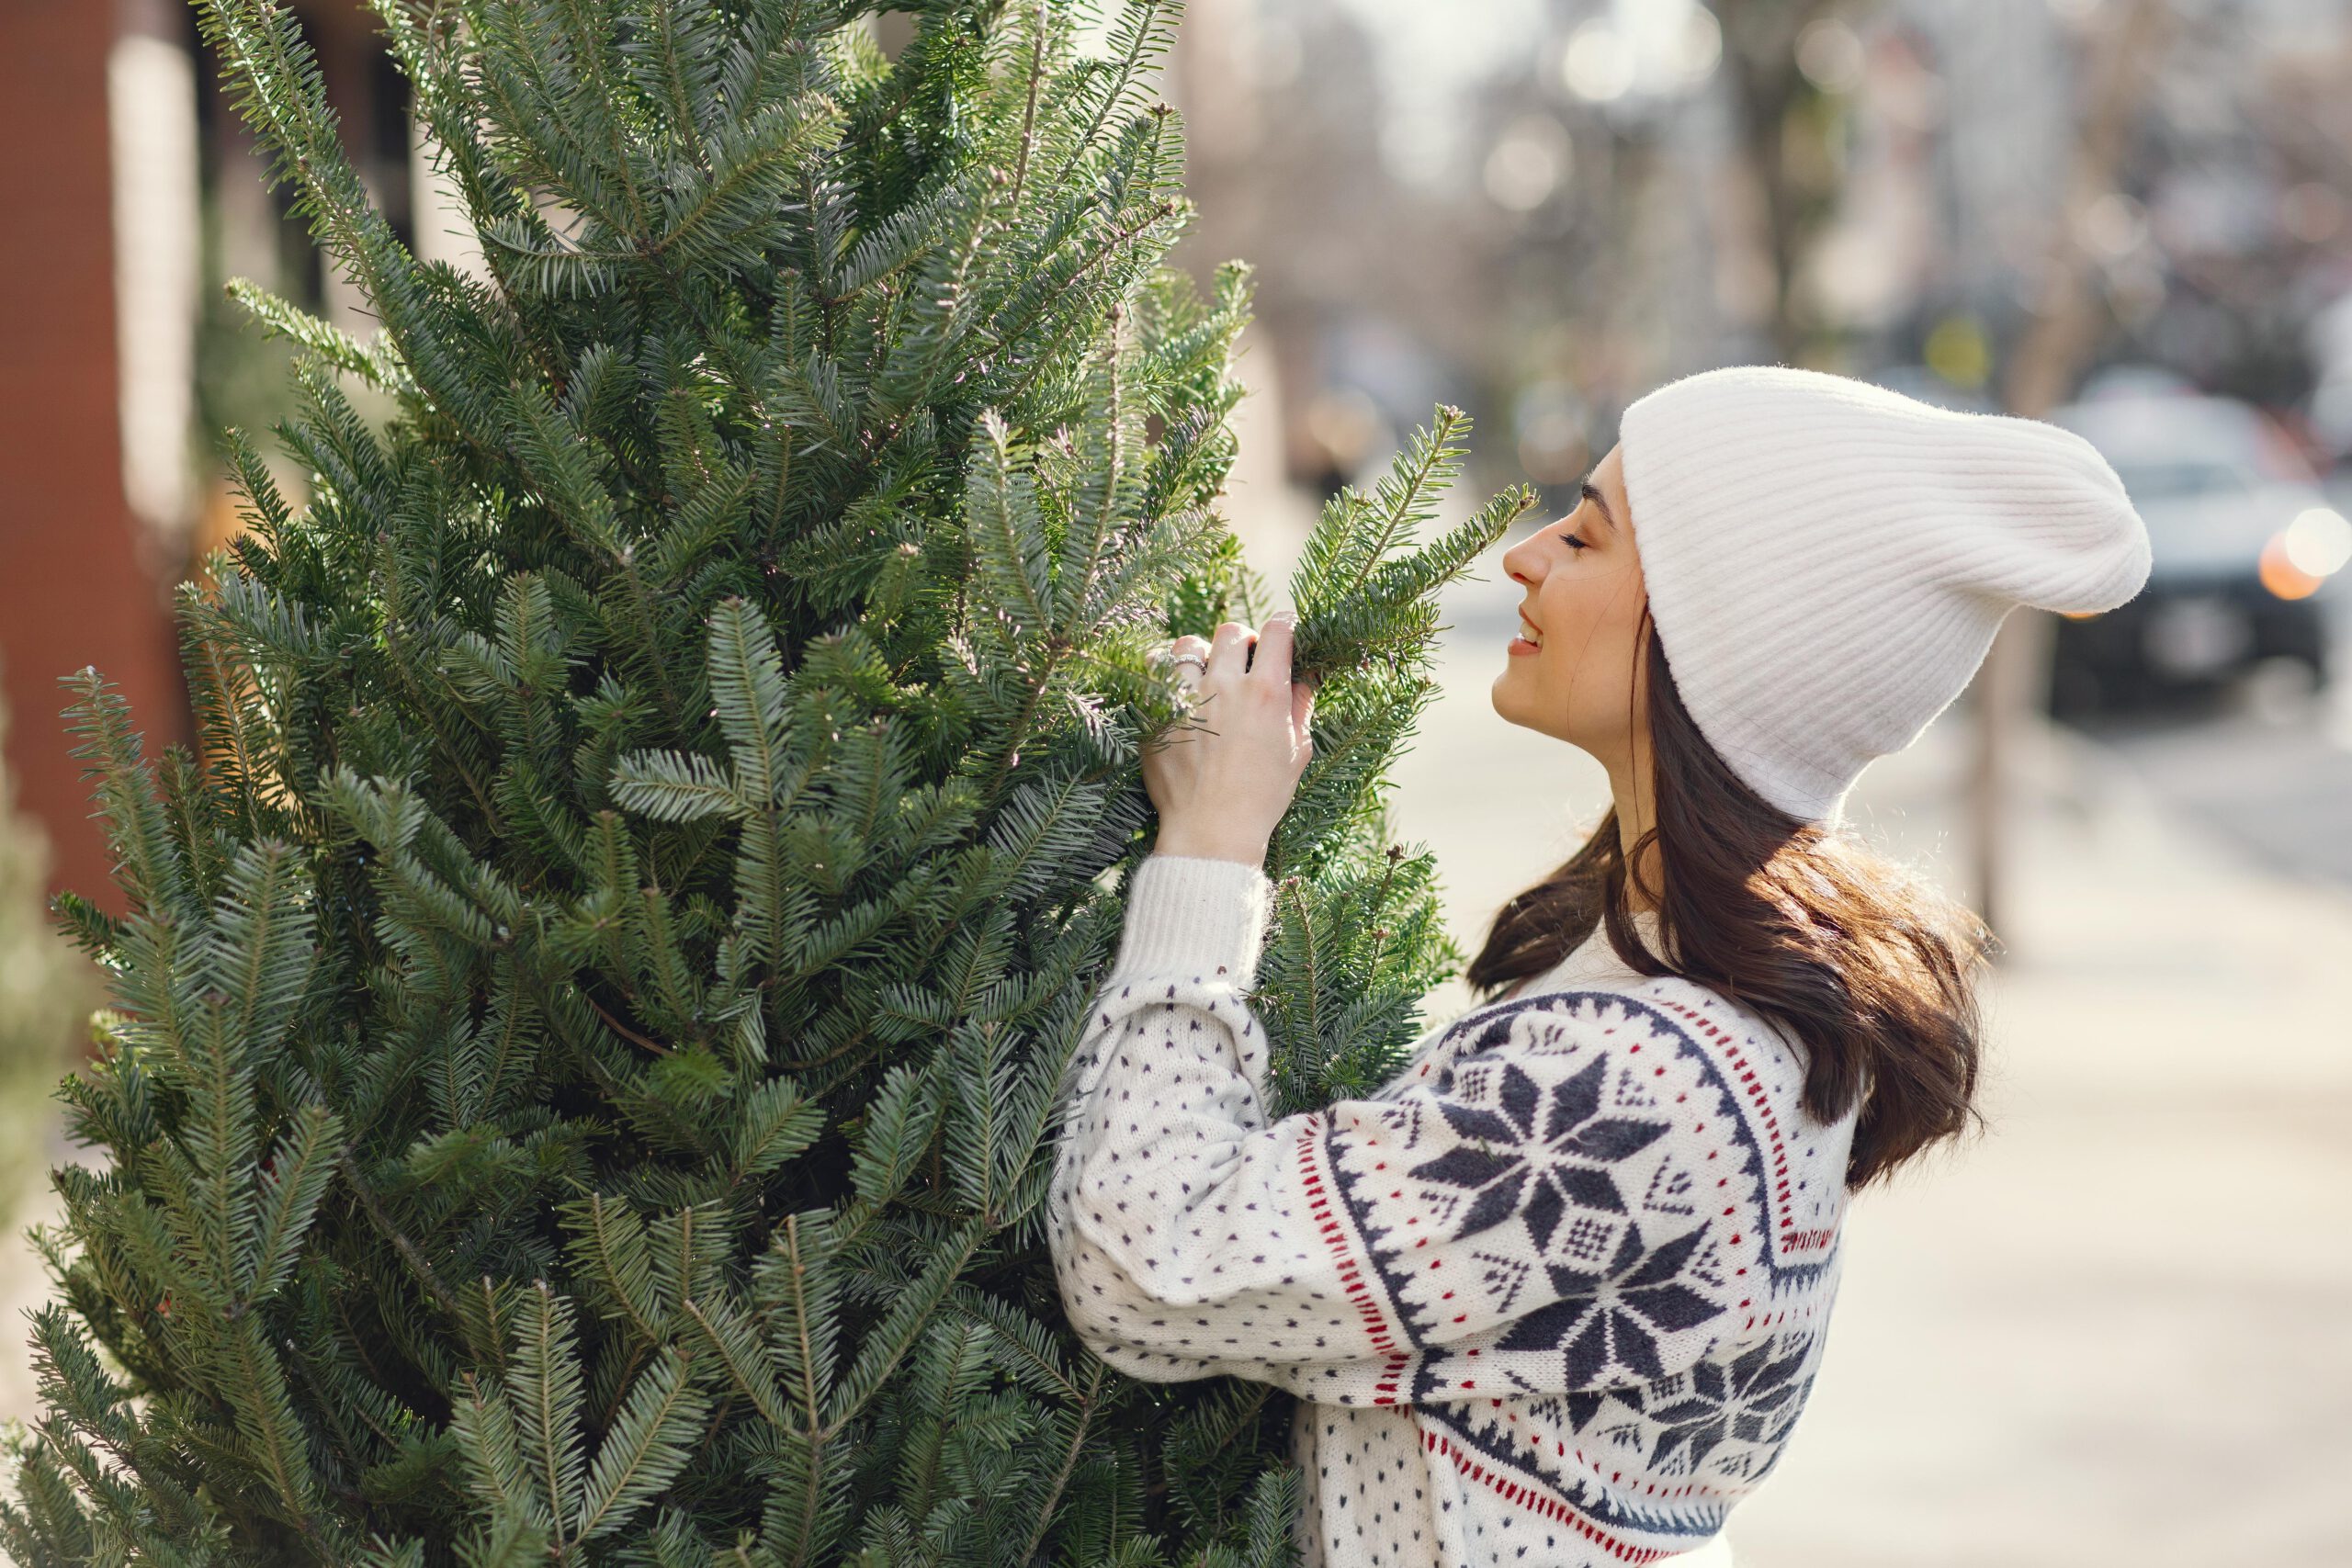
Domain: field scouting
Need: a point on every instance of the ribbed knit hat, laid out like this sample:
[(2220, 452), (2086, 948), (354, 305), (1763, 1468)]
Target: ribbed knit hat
[(1828, 560)]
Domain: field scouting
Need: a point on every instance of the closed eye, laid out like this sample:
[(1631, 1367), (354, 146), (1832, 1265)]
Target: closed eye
[(1579, 543)]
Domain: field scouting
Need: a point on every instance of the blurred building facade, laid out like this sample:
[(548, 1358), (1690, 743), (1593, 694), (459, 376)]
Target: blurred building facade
[(1639, 188), (81, 575), (122, 359)]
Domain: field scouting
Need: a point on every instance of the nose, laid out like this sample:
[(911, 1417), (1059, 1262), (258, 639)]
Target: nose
[(1522, 561)]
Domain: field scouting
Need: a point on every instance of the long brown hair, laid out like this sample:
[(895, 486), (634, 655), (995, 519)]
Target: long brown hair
[(1869, 969)]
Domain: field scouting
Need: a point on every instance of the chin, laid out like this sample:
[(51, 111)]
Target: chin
[(1504, 707), (1508, 708)]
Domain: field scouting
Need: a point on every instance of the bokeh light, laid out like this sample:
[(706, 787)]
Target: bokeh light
[(2281, 576), (2318, 541)]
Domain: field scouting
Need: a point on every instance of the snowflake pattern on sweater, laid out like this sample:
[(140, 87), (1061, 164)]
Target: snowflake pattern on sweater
[(1585, 1240)]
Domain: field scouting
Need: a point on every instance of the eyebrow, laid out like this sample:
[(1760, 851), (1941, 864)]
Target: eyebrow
[(1594, 496)]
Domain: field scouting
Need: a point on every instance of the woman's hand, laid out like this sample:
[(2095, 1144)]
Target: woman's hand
[(1223, 779)]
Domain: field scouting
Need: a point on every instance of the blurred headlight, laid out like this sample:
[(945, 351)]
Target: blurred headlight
[(2318, 542), (2281, 575)]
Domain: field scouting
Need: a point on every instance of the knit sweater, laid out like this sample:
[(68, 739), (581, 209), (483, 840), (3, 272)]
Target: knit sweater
[(1552, 1296)]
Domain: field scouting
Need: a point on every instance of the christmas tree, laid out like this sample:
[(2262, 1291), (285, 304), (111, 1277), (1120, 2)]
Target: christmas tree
[(579, 1083)]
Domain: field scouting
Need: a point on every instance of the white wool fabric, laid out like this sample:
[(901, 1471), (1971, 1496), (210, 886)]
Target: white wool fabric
[(1828, 560)]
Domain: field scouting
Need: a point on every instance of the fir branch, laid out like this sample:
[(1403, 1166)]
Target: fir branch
[(378, 363), (267, 1420), (645, 1448), (1140, 34), (1089, 1405), (588, 39), (900, 1327), (301, 1167), (409, 1253), (623, 1030), (543, 1388), (1028, 114)]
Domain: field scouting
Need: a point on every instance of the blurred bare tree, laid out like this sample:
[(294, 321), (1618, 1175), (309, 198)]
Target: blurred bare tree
[(1783, 145)]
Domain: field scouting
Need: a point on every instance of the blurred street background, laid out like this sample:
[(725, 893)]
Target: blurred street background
[(2117, 1329)]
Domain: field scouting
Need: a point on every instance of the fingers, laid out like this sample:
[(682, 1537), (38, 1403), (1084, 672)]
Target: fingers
[(1267, 648), (1194, 651), (1236, 652), (1273, 661), (1229, 650), (1191, 648)]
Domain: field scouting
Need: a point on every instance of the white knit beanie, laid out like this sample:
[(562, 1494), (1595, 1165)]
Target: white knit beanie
[(1828, 560)]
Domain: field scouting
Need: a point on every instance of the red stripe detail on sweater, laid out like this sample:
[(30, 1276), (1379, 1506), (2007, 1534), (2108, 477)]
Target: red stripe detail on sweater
[(1335, 1236), (1792, 1240), (1549, 1507)]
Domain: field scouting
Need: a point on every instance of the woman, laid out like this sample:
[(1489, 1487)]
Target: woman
[(1556, 1294)]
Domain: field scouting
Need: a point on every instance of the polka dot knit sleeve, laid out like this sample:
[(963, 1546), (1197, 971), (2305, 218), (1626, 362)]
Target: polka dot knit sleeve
[(1165, 1193), (1326, 1251)]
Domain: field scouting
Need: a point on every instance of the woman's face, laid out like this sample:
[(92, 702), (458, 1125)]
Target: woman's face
[(1581, 678)]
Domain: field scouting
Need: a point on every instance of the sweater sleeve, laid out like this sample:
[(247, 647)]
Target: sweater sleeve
[(1191, 1237)]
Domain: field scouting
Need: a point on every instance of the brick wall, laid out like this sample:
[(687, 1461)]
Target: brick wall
[(75, 589)]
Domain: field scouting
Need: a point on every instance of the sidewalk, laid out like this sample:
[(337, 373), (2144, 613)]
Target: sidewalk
[(2113, 1331), (24, 1280)]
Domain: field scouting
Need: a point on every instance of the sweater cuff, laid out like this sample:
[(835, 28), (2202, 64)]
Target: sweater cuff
[(1191, 915)]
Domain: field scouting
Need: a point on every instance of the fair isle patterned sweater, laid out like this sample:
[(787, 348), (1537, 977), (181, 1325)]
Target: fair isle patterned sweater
[(1553, 1296)]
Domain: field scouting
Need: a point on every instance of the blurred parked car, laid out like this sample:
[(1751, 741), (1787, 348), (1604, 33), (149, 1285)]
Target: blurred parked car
[(2132, 382), (2243, 541)]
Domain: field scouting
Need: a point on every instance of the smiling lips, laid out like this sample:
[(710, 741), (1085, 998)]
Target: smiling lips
[(1528, 632)]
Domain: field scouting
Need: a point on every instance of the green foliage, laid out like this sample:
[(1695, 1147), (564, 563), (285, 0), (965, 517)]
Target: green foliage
[(580, 1085)]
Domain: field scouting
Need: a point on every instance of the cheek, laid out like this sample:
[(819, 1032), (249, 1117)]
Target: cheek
[(1577, 633), (1589, 641)]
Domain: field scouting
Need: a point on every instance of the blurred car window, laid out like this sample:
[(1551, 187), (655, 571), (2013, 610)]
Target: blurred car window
[(2158, 481)]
